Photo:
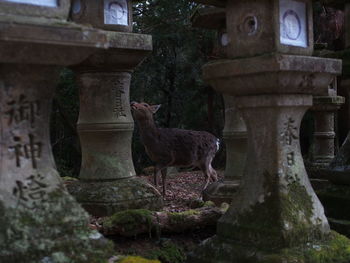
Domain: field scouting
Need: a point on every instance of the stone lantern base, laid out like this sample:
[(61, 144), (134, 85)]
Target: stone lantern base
[(221, 191), (216, 249), (106, 198)]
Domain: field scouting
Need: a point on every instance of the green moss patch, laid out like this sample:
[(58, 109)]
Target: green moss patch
[(169, 253), (54, 231), (335, 250)]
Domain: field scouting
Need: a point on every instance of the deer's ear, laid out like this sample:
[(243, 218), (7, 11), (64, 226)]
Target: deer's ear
[(155, 108)]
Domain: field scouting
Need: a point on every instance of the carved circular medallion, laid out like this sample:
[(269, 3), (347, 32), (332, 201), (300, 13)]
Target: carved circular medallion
[(249, 25), (117, 10), (291, 25)]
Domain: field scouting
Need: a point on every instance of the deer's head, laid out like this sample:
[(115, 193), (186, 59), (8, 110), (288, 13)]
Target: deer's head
[(143, 111)]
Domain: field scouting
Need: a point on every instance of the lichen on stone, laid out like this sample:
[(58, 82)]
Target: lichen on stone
[(55, 230)]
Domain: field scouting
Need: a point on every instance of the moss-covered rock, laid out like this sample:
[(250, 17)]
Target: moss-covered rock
[(131, 221), (168, 253), (334, 250), (55, 231)]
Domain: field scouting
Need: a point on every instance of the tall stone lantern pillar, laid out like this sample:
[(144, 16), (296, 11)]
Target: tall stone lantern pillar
[(338, 171), (39, 220), (324, 110), (275, 215), (235, 131), (108, 180)]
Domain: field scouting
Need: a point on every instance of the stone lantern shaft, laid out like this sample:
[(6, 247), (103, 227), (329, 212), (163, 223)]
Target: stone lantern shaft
[(40, 221), (275, 216)]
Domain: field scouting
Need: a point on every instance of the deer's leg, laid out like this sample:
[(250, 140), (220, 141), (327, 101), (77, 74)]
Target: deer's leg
[(157, 170), (213, 173), (205, 170), (164, 172)]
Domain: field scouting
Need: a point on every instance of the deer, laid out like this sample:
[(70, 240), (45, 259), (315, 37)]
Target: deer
[(172, 147)]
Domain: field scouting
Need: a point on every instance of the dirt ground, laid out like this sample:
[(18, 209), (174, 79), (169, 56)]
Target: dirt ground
[(183, 189)]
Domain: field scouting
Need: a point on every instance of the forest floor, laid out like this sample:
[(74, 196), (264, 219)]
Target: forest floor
[(183, 190), (183, 193)]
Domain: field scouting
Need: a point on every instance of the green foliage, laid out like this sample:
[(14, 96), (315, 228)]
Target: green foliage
[(171, 75), (169, 253), (64, 116)]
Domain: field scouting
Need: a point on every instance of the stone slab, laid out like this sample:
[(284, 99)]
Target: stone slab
[(272, 74), (48, 44), (125, 52), (221, 192)]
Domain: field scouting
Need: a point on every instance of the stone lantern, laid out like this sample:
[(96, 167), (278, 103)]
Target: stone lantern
[(339, 167), (40, 221), (235, 132), (108, 181), (275, 215)]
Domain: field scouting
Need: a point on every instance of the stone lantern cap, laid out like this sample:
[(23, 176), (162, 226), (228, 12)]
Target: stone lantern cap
[(209, 18), (52, 9), (125, 52), (272, 74), (261, 27), (113, 15), (44, 43)]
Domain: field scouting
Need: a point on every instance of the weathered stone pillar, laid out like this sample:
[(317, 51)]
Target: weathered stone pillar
[(275, 216), (108, 181), (39, 220), (341, 163), (235, 138), (323, 148)]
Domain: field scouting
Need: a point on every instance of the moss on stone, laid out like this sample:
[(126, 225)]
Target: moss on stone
[(282, 219), (209, 204), (130, 220), (169, 253), (178, 217), (334, 250), (54, 231)]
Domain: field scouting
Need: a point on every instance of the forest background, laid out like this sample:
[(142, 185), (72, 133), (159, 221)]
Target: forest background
[(171, 76)]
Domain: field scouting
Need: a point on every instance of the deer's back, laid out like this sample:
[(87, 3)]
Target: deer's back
[(181, 147)]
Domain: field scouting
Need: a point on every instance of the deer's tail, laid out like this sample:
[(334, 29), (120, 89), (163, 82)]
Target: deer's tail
[(218, 144)]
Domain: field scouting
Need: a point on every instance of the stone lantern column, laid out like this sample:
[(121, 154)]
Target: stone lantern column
[(235, 131), (108, 181), (340, 165), (323, 148), (275, 215), (235, 138), (39, 220)]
